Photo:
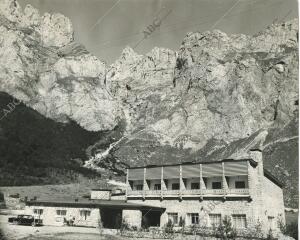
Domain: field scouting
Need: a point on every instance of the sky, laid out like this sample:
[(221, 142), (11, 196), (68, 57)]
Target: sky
[(106, 27)]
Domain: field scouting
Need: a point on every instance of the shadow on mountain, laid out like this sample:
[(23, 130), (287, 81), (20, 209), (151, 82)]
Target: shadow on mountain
[(38, 150)]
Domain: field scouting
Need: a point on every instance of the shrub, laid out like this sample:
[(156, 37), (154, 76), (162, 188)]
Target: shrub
[(100, 226), (194, 229), (134, 228), (202, 231), (182, 224), (225, 229), (255, 232), (1, 235), (124, 225), (169, 227), (270, 235)]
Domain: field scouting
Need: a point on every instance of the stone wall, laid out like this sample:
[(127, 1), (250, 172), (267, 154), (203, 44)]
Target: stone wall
[(133, 217), (273, 204), (203, 208), (267, 196)]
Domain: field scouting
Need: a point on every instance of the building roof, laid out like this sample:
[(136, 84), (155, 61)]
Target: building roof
[(252, 162), (87, 203), (101, 189), (272, 178)]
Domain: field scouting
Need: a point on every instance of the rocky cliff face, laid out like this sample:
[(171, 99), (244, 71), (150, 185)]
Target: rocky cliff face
[(43, 67), (216, 97)]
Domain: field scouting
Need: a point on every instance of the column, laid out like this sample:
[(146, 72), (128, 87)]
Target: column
[(249, 179), (127, 182), (257, 192), (145, 185), (224, 182), (202, 184), (181, 183), (163, 186)]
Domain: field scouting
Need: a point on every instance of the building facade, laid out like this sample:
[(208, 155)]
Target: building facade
[(204, 193), (199, 194)]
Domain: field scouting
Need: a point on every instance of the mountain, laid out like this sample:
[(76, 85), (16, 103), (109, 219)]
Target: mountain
[(38, 150), (216, 97)]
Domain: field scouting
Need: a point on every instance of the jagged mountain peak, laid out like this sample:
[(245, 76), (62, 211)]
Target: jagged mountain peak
[(51, 30), (128, 52)]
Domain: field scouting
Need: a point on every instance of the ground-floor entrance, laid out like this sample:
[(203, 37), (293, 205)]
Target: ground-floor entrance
[(111, 218), (151, 218)]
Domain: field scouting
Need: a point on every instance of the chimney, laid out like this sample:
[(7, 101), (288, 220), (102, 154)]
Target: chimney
[(101, 194), (34, 198), (25, 199), (76, 199), (257, 155)]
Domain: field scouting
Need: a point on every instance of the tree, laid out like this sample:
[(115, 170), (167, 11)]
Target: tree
[(226, 230)]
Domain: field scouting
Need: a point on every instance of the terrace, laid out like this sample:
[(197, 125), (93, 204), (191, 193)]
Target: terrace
[(227, 178)]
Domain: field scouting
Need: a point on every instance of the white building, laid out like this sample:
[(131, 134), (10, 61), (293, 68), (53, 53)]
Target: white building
[(204, 193), (199, 194)]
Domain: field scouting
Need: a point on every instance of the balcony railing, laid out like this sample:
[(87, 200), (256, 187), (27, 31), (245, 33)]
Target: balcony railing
[(239, 191), (215, 191), (152, 192), (189, 192)]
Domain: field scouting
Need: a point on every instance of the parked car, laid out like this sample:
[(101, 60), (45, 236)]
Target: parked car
[(28, 220)]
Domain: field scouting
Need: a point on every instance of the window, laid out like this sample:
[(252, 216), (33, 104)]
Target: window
[(239, 220), (173, 217), (195, 185), (139, 187), (240, 184), (194, 218), (216, 185), (38, 211), (85, 213), (175, 186), (157, 186), (215, 219), (61, 212)]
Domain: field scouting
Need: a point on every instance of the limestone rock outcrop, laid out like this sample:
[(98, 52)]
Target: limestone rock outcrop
[(42, 66)]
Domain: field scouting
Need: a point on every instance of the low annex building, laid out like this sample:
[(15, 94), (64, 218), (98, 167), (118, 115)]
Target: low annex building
[(199, 194), (99, 209)]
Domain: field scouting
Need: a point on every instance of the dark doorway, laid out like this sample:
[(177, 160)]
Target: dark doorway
[(111, 218), (150, 218)]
